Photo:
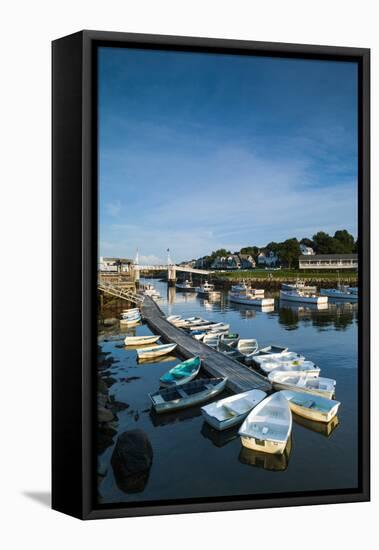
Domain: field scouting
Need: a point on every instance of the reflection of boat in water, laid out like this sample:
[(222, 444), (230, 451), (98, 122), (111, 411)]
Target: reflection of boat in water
[(272, 462), (158, 360), (305, 309), (174, 417), (219, 439), (324, 429)]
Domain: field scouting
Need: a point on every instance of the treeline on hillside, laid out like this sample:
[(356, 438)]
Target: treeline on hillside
[(342, 242)]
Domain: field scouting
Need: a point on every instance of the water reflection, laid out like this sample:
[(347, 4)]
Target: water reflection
[(267, 461), (174, 417), (336, 315), (319, 427), (219, 438)]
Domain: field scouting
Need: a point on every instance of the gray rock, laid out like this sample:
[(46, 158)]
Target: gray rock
[(110, 321), (104, 415), (131, 461)]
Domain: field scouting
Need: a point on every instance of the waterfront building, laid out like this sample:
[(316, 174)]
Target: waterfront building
[(268, 258), (328, 261), (114, 265)]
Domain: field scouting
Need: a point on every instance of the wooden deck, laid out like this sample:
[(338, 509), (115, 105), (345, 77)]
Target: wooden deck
[(240, 377)]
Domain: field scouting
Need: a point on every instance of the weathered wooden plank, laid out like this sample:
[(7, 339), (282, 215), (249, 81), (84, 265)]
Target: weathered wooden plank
[(240, 377)]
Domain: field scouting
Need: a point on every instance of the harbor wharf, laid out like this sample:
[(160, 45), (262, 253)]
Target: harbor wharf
[(240, 377)]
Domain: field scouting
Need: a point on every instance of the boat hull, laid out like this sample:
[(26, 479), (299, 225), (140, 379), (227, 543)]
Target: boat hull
[(331, 293), (312, 391), (264, 445), (288, 297), (150, 354), (252, 301), (314, 415), (189, 401), (140, 340)]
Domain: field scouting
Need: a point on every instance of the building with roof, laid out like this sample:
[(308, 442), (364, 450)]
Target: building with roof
[(328, 261)]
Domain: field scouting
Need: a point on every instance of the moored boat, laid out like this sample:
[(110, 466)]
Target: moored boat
[(250, 299), (182, 373), (185, 286), (156, 351), (187, 395), (230, 338), (247, 346), (131, 321), (268, 426), (231, 411), (342, 292), (282, 380), (288, 364), (299, 285), (301, 296), (141, 340), (313, 407), (212, 339), (207, 289)]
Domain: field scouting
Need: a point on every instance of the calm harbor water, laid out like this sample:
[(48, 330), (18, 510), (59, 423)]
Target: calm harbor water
[(190, 459)]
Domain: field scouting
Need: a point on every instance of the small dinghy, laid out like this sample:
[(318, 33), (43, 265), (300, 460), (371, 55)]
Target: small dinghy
[(182, 373), (130, 321), (306, 383), (287, 357), (247, 346), (156, 351), (172, 318), (313, 407), (141, 340), (268, 426), (128, 312), (289, 365), (230, 338), (212, 340), (198, 334), (188, 395), (232, 410)]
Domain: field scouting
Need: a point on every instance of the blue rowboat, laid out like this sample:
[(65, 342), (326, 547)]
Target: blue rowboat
[(182, 373)]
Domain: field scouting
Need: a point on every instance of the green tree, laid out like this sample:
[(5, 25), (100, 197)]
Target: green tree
[(307, 242), (345, 240), (323, 243), (289, 252), (252, 250)]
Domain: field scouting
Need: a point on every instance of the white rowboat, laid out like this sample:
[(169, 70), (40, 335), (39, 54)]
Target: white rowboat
[(268, 426), (313, 407), (232, 410), (188, 395), (141, 340), (157, 351), (306, 383)]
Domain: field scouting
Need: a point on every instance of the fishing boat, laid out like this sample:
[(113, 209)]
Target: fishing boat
[(313, 407), (268, 426), (207, 289), (231, 411), (353, 289), (156, 351), (131, 315), (187, 395), (127, 312), (306, 383), (151, 291), (342, 292), (244, 288), (249, 299), (301, 296), (141, 340), (185, 286), (182, 373), (297, 366), (299, 285)]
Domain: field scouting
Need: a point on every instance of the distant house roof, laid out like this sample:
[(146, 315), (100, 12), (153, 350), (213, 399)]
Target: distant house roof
[(329, 257), (122, 260)]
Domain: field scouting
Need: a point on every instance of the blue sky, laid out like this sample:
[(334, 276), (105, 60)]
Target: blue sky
[(201, 151)]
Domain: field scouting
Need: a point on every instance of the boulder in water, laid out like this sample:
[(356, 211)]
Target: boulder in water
[(131, 461)]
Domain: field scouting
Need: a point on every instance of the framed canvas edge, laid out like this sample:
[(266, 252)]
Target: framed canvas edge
[(88, 278)]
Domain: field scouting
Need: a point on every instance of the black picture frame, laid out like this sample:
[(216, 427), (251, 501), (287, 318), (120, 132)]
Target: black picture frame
[(74, 270)]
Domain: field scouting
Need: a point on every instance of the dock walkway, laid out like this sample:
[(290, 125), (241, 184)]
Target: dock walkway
[(240, 377)]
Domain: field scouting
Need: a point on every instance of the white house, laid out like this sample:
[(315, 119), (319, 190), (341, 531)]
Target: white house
[(267, 258), (306, 250), (114, 265)]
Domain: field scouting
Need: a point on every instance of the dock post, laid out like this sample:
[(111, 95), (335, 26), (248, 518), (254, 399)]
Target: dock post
[(171, 275)]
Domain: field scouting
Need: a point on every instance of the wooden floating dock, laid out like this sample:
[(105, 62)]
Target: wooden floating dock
[(240, 377)]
